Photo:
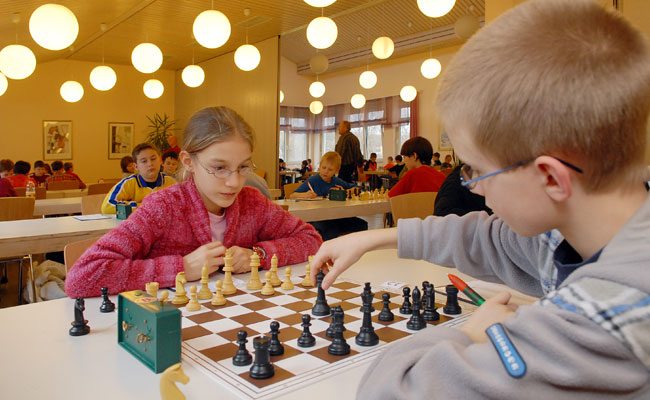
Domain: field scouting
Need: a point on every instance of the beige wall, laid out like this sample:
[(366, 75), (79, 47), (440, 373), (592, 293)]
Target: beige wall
[(252, 94), (30, 101)]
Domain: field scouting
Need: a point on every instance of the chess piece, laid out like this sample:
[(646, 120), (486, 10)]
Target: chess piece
[(406, 305), (218, 299), (339, 346), (386, 314), (367, 292), (193, 305), (205, 293), (452, 307), (262, 367), (307, 282), (275, 280), (424, 297), (168, 389), (79, 325), (366, 335), (321, 307), (180, 296), (306, 339), (287, 284), (330, 329), (254, 283), (107, 305), (430, 313), (163, 298), (268, 289), (151, 288), (416, 322), (228, 287), (242, 357), (275, 347)]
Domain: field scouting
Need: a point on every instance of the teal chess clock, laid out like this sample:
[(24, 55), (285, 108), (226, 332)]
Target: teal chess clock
[(123, 210), (151, 332)]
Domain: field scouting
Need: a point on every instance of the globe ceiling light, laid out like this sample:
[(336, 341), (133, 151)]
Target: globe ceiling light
[(103, 78), (53, 26), (281, 96), (368, 79), (211, 29), (320, 3), (435, 8), (317, 89), (17, 61), (383, 47), (72, 91), (193, 76), (153, 88), (146, 58), (408, 93), (247, 57), (316, 107), (430, 68), (4, 84), (319, 64), (466, 26), (322, 32), (358, 101)]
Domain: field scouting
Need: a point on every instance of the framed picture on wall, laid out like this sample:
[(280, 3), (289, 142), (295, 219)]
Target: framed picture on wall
[(445, 143), (57, 140), (120, 139)]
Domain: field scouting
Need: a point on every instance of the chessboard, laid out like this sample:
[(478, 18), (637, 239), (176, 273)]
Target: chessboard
[(209, 335)]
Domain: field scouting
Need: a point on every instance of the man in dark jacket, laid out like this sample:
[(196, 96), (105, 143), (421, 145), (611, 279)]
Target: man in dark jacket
[(349, 149)]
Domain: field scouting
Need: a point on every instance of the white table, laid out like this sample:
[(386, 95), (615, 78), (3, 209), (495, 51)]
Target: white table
[(319, 210), (53, 206)]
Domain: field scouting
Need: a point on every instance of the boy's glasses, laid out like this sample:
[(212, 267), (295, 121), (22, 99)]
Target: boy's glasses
[(469, 177), (224, 173)]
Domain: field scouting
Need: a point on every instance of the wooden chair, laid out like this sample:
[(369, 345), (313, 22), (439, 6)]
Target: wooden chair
[(108, 180), (100, 188), (63, 185), (412, 205), (12, 209), (72, 251), (289, 188), (41, 192), (92, 204)]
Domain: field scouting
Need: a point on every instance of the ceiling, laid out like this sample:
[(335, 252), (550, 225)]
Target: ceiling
[(168, 24)]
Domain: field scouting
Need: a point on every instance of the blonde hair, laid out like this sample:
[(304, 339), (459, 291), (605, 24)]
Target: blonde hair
[(333, 158), (554, 77), (213, 125)]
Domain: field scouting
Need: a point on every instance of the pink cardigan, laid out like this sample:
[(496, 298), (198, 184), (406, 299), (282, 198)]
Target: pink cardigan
[(150, 244)]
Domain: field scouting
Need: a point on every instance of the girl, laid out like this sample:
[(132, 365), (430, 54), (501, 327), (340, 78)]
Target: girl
[(186, 226)]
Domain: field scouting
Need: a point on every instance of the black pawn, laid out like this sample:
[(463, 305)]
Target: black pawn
[(79, 325), (242, 357), (366, 335), (452, 307), (330, 329), (416, 322), (320, 307), (339, 346), (430, 313), (367, 293), (107, 305), (406, 305), (275, 347), (262, 367), (386, 314), (306, 339)]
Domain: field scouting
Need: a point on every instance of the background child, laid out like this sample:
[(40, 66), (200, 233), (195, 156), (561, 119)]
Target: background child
[(69, 169), (6, 169), (420, 177), (59, 174), (40, 174), (534, 103), (134, 188), (170, 164), (127, 164), (189, 225), (20, 176)]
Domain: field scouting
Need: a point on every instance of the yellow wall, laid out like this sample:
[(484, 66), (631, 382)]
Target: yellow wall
[(30, 101), (254, 95)]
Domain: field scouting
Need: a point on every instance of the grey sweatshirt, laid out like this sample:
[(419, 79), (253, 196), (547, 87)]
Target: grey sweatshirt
[(587, 339)]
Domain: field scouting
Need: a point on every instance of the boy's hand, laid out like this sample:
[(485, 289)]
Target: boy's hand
[(210, 254), (495, 309), (335, 256), (241, 259)]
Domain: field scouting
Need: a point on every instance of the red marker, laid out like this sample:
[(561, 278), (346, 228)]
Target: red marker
[(469, 292)]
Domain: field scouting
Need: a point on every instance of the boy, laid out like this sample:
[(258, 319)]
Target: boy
[(134, 188), (170, 163), (59, 174), (534, 103), (69, 169), (6, 169), (320, 185), (20, 177)]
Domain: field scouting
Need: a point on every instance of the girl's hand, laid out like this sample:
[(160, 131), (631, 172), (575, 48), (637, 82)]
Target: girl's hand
[(210, 254), (241, 259)]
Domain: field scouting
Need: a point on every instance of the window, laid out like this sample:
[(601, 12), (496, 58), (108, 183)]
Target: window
[(328, 142), (370, 139), (297, 148), (283, 145), (404, 126)]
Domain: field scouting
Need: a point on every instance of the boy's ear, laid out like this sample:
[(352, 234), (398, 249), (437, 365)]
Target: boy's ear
[(556, 178)]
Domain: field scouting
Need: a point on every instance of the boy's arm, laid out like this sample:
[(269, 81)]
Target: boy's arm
[(303, 191), (124, 190)]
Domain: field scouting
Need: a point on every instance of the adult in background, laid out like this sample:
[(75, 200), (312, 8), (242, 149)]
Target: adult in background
[(420, 177), (349, 149), (453, 198)]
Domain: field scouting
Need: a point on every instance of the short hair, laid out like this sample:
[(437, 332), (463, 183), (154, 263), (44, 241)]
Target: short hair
[(125, 162), (436, 154), (6, 165), (551, 77), (373, 154), (22, 167), (333, 158), (170, 154), (346, 124), (39, 164), (141, 147), (57, 165), (390, 158), (420, 146), (67, 166), (214, 125), (398, 158)]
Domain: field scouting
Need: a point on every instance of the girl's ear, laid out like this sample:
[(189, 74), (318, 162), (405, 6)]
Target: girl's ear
[(186, 161)]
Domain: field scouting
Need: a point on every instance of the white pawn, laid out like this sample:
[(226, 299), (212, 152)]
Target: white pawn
[(193, 305), (275, 280), (268, 290), (205, 293), (218, 299), (307, 282), (287, 284)]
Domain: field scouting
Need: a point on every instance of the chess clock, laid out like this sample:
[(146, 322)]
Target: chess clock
[(149, 330), (337, 194), (123, 210)]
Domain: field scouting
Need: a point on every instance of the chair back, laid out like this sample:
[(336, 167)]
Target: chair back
[(15, 208), (289, 188), (72, 251), (412, 205), (92, 204), (63, 185), (100, 188), (108, 180), (41, 192)]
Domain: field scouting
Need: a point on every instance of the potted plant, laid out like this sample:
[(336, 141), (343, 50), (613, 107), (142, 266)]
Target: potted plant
[(160, 128)]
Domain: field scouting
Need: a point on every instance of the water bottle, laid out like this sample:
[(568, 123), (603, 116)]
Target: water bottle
[(30, 189)]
